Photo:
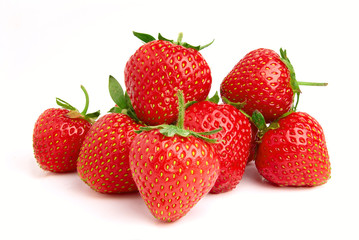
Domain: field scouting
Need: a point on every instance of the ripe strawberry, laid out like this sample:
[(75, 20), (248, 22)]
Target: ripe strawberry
[(173, 168), (172, 173), (234, 140), (263, 81), (58, 135), (103, 159), (293, 152), (157, 70)]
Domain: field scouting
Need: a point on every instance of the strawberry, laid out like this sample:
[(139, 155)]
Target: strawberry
[(157, 70), (234, 140), (263, 81), (293, 151), (103, 160), (173, 168), (58, 135)]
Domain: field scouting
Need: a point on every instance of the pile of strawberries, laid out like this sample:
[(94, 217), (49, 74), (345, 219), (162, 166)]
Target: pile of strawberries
[(166, 139)]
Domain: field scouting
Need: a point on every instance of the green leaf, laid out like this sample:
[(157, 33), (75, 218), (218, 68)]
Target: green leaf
[(144, 37), (93, 115), (169, 131), (87, 100), (116, 92), (273, 125), (204, 46), (115, 110), (209, 140), (149, 128), (211, 132), (188, 104), (130, 111), (187, 45), (198, 48), (64, 104), (160, 37), (259, 121), (214, 98), (238, 105)]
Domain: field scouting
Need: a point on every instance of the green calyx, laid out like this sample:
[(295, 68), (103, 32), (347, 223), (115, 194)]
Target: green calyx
[(178, 129), (214, 98), (148, 38), (238, 105), (293, 81), (258, 120), (122, 100), (74, 113)]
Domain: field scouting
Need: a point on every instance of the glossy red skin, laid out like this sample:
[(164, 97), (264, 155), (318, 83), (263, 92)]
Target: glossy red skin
[(262, 81), (57, 140), (234, 139), (172, 173), (103, 160), (295, 154), (155, 73)]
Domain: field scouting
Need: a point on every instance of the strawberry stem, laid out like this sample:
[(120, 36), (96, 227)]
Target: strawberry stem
[(312, 84), (293, 81), (181, 109), (74, 113), (87, 101), (179, 39)]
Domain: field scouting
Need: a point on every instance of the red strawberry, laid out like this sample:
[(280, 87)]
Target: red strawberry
[(160, 68), (58, 135), (234, 140), (263, 81), (293, 152), (173, 168), (172, 173), (103, 160)]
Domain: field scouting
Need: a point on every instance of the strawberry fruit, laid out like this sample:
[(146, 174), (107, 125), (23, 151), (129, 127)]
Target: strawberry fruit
[(293, 151), (234, 140), (58, 135), (157, 70), (103, 160), (173, 168), (264, 81)]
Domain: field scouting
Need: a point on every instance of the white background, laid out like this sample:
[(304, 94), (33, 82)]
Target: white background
[(49, 48)]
